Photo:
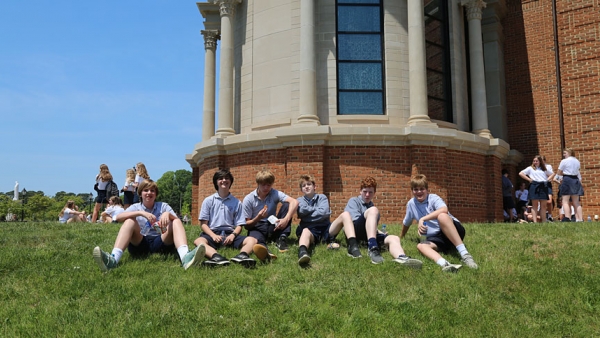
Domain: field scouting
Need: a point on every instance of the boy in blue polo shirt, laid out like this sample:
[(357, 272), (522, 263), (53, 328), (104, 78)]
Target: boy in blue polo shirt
[(172, 236), (222, 221), (444, 232), (260, 207), (360, 220), (313, 212)]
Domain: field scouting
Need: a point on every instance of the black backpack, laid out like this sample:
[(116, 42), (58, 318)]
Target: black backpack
[(111, 189)]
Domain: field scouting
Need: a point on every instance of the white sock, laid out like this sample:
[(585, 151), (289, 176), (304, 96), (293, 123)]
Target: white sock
[(117, 253), (462, 250), (182, 250), (442, 262)]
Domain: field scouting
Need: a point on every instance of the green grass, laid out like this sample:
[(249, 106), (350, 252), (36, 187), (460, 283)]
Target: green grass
[(533, 281)]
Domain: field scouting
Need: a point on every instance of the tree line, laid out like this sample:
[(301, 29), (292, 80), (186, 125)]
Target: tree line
[(175, 188)]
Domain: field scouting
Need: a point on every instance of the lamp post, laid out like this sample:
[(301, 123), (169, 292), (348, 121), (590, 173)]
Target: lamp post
[(91, 199), (23, 202)]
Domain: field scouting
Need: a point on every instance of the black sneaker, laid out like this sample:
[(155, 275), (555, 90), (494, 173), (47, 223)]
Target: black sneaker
[(354, 251), (303, 257), (375, 256), (282, 244), (244, 260), (216, 260)]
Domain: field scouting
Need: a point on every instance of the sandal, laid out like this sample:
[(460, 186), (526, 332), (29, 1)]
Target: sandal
[(333, 246)]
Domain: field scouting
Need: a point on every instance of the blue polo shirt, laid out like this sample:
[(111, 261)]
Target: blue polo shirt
[(313, 211), (356, 206), (222, 214), (253, 205), (158, 209), (415, 210)]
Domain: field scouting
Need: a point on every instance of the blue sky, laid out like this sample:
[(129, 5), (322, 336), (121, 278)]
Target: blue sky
[(89, 82)]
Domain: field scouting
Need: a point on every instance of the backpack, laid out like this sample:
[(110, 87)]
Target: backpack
[(111, 189)]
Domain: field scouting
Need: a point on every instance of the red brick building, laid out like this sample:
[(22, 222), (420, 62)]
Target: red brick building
[(331, 88)]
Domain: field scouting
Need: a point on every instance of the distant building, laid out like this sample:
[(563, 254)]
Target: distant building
[(453, 89)]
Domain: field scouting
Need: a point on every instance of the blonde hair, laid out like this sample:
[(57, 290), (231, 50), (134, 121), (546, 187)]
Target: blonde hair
[(116, 200), (570, 151), (105, 174), (129, 175), (306, 178), (141, 170), (265, 177), (419, 181), (70, 204)]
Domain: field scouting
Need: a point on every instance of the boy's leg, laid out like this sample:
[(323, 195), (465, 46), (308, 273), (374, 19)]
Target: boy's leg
[(372, 218), (306, 239), (245, 244), (259, 232), (395, 248), (455, 232), (128, 233), (346, 220), (209, 251), (175, 234)]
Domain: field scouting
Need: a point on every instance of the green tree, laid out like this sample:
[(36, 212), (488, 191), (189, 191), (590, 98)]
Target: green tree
[(38, 205), (175, 188)]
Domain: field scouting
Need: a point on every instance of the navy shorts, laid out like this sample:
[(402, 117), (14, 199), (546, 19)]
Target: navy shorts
[(442, 242), (128, 197), (265, 231), (319, 231), (136, 198), (101, 198), (150, 245), (237, 242), (360, 230)]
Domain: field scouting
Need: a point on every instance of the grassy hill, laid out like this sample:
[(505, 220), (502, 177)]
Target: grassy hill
[(533, 281)]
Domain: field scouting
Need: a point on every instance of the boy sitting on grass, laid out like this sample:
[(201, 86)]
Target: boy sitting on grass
[(444, 232), (360, 219), (222, 221), (258, 206), (313, 212), (135, 218)]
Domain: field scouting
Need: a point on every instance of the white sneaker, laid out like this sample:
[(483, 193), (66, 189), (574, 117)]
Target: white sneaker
[(451, 267), (469, 261)]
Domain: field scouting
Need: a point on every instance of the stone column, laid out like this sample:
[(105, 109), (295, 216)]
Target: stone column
[(478, 94), (208, 107), (308, 64), (417, 71), (225, 123)]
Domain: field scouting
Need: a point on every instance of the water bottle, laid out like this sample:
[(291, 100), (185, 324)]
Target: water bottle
[(223, 236), (589, 218), (383, 228), (424, 233), (146, 228)]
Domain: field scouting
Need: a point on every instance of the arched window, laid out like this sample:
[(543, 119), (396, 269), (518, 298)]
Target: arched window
[(360, 74)]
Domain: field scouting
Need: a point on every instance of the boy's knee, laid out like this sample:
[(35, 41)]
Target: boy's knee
[(372, 212)]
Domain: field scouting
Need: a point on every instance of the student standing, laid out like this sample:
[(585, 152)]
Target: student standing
[(538, 177), (570, 186)]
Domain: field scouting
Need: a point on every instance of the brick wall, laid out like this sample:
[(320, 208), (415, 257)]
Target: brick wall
[(470, 183), (532, 91)]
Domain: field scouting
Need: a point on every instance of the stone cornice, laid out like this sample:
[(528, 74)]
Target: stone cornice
[(280, 138)]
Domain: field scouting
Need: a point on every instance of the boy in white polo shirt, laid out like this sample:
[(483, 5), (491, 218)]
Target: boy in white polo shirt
[(444, 231), (222, 221), (170, 238)]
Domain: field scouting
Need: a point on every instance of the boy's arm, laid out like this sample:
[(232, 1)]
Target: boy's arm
[(122, 217), (206, 229), (433, 215), (282, 223), (404, 230)]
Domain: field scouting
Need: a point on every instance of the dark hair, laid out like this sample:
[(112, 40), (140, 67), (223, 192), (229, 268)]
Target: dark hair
[(504, 171), (223, 173)]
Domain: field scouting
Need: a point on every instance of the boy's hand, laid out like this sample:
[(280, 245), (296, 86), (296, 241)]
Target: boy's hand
[(229, 239), (216, 238), (281, 224), (263, 213), (150, 217)]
